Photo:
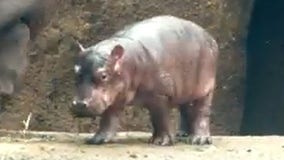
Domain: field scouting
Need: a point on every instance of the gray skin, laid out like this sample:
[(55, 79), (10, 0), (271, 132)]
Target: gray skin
[(20, 23), (158, 63), (13, 60)]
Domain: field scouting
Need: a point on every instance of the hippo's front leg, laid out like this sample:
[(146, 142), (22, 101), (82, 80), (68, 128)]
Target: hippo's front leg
[(107, 128)]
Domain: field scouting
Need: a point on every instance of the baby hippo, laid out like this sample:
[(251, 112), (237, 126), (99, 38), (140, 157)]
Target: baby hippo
[(160, 62)]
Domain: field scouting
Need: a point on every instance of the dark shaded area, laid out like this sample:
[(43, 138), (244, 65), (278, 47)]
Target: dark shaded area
[(264, 104)]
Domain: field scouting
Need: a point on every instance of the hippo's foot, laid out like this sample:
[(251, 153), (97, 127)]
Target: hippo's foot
[(99, 139), (182, 134), (162, 140), (200, 140)]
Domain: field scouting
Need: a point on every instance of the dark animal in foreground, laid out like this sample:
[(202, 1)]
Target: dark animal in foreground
[(159, 62), (20, 22)]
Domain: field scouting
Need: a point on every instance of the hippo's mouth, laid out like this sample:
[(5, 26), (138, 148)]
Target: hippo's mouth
[(82, 112), (7, 88)]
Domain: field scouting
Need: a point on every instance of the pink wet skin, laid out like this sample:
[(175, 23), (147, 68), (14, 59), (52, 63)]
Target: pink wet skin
[(158, 63)]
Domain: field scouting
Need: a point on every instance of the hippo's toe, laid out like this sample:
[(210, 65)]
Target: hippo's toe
[(181, 134), (200, 140), (98, 139), (163, 140)]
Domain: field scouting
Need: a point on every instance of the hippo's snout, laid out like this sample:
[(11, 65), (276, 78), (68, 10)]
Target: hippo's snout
[(79, 109), (77, 103)]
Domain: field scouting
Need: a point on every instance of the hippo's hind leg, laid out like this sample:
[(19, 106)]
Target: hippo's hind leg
[(159, 113), (200, 124), (195, 120), (184, 130)]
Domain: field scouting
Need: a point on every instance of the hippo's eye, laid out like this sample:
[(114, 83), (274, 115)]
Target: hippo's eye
[(104, 76)]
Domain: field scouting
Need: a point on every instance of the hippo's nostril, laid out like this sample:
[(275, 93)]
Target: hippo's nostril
[(85, 103), (74, 103)]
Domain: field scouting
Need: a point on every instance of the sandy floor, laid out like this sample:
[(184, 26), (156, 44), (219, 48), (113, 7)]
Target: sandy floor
[(133, 146)]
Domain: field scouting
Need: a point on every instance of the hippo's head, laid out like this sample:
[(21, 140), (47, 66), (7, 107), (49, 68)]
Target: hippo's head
[(99, 83)]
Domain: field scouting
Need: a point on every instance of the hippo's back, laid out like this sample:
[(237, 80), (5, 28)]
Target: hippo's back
[(156, 32), (159, 27)]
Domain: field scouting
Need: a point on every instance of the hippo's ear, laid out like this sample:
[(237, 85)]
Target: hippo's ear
[(117, 52), (81, 48)]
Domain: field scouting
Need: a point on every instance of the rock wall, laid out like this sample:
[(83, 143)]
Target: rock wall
[(49, 82)]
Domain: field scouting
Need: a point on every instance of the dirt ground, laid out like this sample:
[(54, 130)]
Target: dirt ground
[(48, 86), (133, 146)]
